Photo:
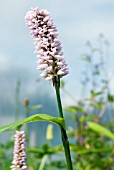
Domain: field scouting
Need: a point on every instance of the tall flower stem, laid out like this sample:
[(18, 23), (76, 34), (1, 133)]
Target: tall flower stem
[(63, 131)]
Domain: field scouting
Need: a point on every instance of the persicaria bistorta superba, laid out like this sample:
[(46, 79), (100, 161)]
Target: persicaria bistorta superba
[(19, 157), (47, 45)]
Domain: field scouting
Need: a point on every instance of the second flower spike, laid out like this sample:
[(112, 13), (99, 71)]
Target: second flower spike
[(19, 158)]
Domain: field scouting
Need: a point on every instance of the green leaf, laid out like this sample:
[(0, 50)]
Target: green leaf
[(85, 118), (74, 109), (98, 105), (100, 129), (91, 150), (34, 107), (94, 94), (110, 98), (35, 118), (71, 109), (80, 109)]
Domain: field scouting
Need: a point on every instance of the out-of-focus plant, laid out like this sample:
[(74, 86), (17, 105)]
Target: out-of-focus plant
[(93, 132)]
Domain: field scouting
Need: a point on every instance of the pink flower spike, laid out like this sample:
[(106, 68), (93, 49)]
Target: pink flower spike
[(47, 45), (19, 158)]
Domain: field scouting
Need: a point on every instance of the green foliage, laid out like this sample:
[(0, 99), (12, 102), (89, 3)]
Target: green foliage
[(74, 109), (94, 94), (111, 97), (35, 118), (101, 130), (92, 136)]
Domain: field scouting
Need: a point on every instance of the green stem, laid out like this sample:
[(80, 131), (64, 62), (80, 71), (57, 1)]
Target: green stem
[(27, 128), (27, 135), (63, 131), (43, 161)]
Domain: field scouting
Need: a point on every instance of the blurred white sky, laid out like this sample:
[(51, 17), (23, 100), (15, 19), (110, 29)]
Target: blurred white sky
[(77, 22)]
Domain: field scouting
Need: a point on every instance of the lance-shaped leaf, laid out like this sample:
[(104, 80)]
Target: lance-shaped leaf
[(100, 129), (35, 118)]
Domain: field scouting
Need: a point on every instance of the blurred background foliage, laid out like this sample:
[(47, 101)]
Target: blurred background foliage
[(90, 120)]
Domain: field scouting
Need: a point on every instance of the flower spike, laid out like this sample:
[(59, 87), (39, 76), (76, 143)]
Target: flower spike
[(19, 158), (47, 45)]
